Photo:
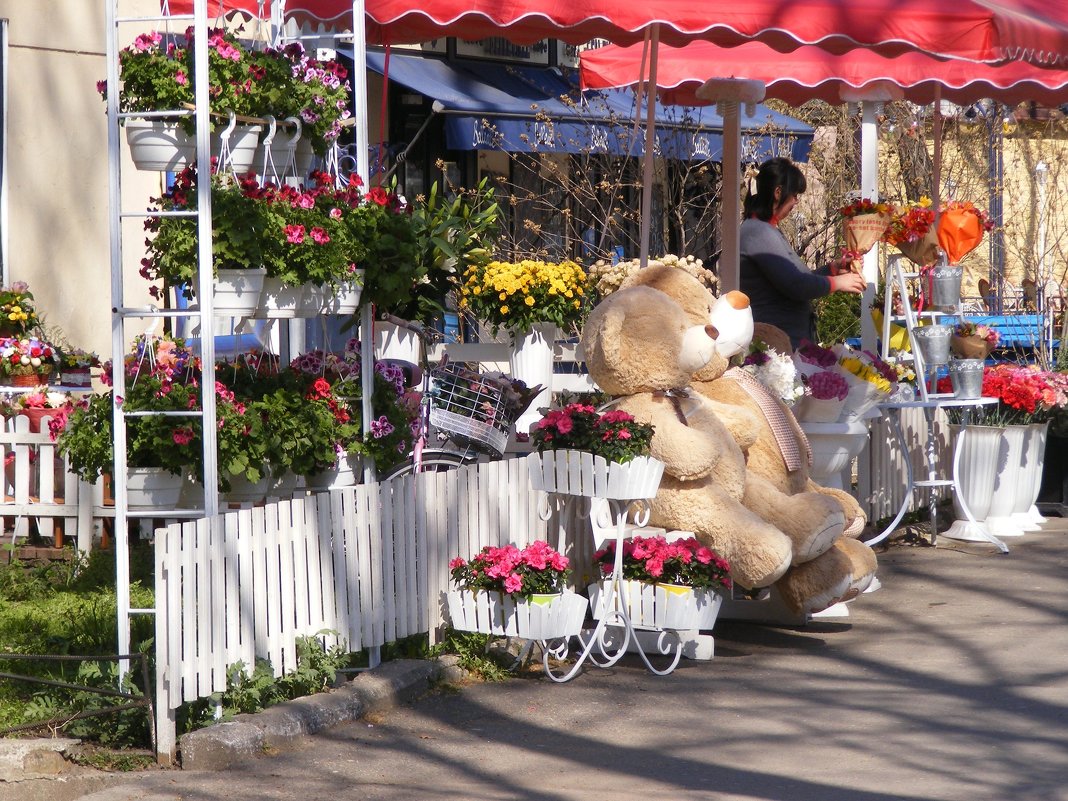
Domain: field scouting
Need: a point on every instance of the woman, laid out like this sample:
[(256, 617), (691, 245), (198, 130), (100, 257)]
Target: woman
[(779, 284)]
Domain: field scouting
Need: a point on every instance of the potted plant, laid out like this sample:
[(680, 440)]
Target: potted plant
[(39, 403), (675, 584), (453, 235), (75, 366), (581, 451), (315, 92), (532, 299), (514, 591), (26, 361), (156, 74), (18, 316)]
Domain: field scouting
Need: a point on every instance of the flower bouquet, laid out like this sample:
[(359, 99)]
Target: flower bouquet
[(871, 381), (824, 399), (26, 361), (960, 229), (17, 313), (665, 584), (581, 451), (810, 358), (973, 341), (864, 223), (912, 231), (518, 295), (775, 370), (516, 592)]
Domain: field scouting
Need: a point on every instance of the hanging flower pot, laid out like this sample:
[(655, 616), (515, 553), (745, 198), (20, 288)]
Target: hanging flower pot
[(279, 300), (162, 146), (152, 488), (345, 298), (237, 292), (344, 473)]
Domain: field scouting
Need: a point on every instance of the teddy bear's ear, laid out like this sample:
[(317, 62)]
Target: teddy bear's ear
[(602, 339)]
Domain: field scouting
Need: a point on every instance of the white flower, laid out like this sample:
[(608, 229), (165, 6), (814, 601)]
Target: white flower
[(779, 375)]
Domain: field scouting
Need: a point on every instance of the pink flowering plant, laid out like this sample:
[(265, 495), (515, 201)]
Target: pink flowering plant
[(655, 560), (535, 569), (156, 73), (613, 434), (316, 233)]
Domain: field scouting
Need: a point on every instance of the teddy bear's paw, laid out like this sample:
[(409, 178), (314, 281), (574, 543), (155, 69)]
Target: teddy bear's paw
[(820, 537), (854, 528)]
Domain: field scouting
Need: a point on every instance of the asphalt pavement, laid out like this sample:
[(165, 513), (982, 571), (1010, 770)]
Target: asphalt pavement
[(949, 683)]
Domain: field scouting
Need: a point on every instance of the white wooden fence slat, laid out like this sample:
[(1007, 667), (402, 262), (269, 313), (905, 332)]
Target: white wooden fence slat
[(188, 610), (346, 562), (370, 522), (258, 546), (201, 620), (271, 578), (217, 604), (232, 600), (246, 583)]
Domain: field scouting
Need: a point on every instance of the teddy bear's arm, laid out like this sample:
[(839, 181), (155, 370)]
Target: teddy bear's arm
[(687, 451), (743, 425)]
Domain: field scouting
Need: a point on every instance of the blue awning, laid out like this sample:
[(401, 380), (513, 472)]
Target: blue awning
[(523, 109)]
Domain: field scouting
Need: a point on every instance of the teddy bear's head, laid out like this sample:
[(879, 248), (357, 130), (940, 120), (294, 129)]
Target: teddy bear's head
[(730, 315), (640, 340)]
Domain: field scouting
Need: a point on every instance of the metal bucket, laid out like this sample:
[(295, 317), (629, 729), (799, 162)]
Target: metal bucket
[(933, 341), (945, 286), (967, 377)]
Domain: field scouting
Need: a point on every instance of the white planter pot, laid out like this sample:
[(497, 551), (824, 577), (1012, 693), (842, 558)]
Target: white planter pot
[(152, 488), (160, 146), (1024, 511), (1009, 466), (531, 362), (392, 342), (987, 483), (237, 292), (659, 606), (344, 473), (244, 491), (834, 446), (312, 300), (496, 613), (346, 298), (581, 473), (278, 300)]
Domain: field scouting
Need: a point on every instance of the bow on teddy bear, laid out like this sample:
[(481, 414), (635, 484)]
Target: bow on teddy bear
[(640, 344)]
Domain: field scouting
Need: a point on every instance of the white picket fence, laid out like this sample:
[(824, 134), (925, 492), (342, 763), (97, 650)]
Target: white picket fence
[(369, 564), (40, 490)]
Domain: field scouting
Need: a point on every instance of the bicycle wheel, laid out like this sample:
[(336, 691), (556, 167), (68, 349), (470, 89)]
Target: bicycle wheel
[(432, 462)]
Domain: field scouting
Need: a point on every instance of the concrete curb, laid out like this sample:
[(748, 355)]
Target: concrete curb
[(220, 746)]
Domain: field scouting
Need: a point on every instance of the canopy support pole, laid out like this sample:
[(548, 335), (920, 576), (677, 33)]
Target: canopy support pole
[(869, 188), (729, 94), (650, 146)]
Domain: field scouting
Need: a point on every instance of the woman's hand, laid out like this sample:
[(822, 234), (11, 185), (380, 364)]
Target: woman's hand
[(841, 265), (848, 282)]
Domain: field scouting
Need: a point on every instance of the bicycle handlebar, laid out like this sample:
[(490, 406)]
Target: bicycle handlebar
[(416, 328)]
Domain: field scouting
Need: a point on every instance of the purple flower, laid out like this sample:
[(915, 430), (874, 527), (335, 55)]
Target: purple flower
[(381, 427)]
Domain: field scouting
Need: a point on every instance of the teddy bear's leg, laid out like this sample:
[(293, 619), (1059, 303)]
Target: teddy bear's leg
[(812, 521), (856, 519), (757, 552), (818, 583)]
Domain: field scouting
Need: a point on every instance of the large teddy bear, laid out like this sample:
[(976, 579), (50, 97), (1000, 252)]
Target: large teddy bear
[(849, 567), (642, 347)]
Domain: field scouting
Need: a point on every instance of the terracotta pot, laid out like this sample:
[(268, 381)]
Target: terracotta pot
[(35, 416)]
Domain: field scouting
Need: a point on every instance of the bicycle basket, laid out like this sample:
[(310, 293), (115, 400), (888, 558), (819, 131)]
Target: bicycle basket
[(470, 407)]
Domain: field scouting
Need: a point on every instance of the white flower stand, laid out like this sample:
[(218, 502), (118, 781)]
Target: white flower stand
[(613, 491)]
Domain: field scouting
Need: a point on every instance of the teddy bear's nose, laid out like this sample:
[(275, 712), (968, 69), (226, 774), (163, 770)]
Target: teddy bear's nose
[(712, 331)]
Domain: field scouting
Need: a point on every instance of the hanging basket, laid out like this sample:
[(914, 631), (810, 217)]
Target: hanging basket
[(660, 606), (496, 613), (570, 472), (161, 146)]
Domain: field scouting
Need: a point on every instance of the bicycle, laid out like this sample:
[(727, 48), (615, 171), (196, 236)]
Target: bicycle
[(470, 413)]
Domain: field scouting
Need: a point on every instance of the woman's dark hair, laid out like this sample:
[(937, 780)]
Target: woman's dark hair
[(773, 173)]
